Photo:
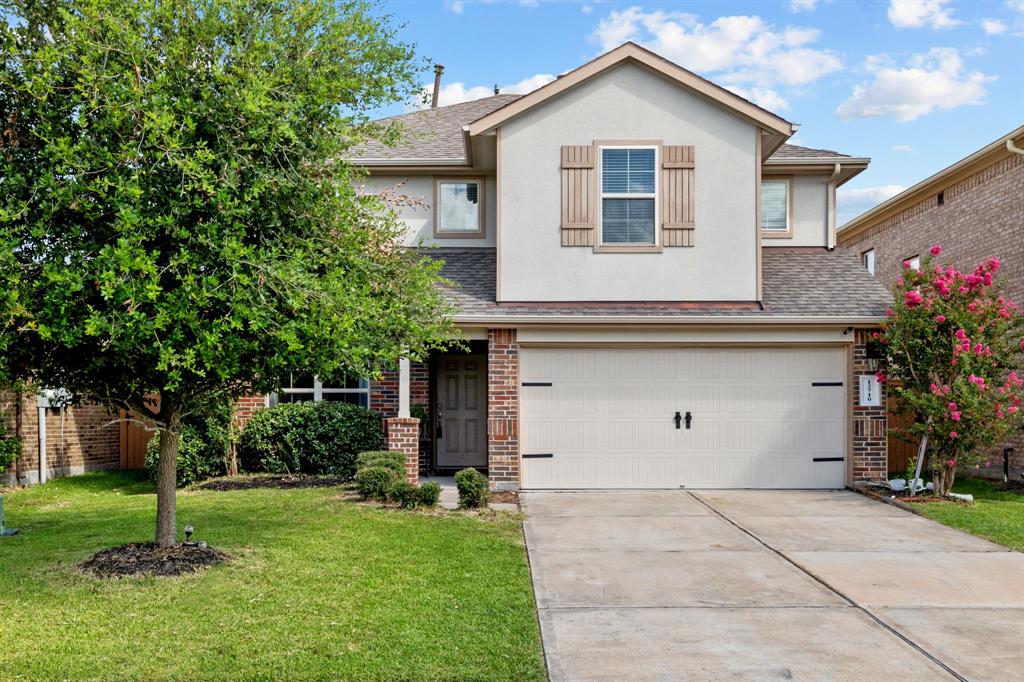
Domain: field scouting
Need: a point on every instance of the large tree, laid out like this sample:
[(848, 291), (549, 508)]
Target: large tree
[(176, 213)]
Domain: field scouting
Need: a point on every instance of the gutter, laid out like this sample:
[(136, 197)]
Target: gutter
[(831, 220), (716, 320)]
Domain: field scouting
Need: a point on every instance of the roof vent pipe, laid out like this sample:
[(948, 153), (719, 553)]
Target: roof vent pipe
[(438, 70)]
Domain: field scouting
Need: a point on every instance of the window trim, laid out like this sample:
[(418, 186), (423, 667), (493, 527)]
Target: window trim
[(864, 260), (599, 245), (438, 231), (777, 234), (319, 391), (911, 260)]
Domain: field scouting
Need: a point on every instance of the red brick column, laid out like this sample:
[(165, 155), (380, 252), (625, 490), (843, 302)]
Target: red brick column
[(403, 434), (246, 407), (502, 409), (870, 431)]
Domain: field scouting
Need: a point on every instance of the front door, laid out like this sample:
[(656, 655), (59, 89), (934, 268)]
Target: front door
[(461, 412)]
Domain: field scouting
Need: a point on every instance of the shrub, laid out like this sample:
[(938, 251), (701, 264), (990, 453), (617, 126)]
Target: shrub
[(472, 487), (375, 482), (10, 448), (313, 438), (204, 449), (405, 494), (382, 458), (429, 494)]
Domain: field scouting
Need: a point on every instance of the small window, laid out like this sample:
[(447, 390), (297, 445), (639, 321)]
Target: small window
[(459, 208), (628, 195), (775, 207), (297, 388), (942, 198), (868, 258), (915, 262)]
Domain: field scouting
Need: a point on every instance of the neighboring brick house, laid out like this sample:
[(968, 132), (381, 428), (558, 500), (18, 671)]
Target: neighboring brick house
[(974, 209), (86, 439)]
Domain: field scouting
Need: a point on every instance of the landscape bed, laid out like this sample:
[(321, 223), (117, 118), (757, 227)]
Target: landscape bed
[(317, 587)]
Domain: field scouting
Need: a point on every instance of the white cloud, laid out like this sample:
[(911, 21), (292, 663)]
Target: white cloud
[(456, 6), (586, 9), (993, 27), (918, 13), (1015, 5), (902, 148), (741, 50), (764, 97), (454, 93), (850, 203), (802, 5), (930, 81)]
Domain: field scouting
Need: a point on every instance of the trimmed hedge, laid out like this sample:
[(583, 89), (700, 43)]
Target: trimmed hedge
[(376, 483), (472, 487), (312, 438), (430, 494), (382, 458), (204, 449)]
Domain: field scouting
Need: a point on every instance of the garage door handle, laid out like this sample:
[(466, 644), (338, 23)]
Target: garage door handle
[(679, 418), (689, 418)]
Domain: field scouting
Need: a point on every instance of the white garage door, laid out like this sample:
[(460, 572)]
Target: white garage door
[(759, 417)]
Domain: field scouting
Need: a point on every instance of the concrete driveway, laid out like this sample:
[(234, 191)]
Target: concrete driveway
[(765, 585)]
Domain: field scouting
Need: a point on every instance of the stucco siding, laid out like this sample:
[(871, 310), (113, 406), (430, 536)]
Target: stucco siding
[(628, 103), (417, 208), (810, 212)]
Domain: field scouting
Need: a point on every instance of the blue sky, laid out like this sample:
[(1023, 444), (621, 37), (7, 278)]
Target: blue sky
[(913, 84)]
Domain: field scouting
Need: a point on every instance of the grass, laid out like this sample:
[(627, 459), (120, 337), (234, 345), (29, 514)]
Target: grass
[(319, 588), (996, 515)]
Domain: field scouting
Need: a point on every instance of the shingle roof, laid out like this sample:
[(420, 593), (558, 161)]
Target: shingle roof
[(436, 134), (792, 151), (796, 283), (433, 134)]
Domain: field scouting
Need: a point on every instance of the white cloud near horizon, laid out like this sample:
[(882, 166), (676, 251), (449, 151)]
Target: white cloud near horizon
[(902, 148), (919, 13), (935, 80), (802, 5), (993, 27), (850, 203), (744, 52), (457, 92)]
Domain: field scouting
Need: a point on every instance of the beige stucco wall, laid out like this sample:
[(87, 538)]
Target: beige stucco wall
[(418, 215), (810, 212), (628, 102)]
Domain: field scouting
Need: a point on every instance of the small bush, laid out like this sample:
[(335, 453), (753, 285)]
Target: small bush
[(472, 487), (312, 438), (204, 448), (375, 483), (382, 458), (405, 494), (10, 448), (429, 494)]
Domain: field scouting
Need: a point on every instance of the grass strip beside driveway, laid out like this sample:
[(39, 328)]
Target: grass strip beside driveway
[(996, 515)]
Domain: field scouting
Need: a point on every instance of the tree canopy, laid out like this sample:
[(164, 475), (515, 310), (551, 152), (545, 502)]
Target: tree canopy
[(176, 213)]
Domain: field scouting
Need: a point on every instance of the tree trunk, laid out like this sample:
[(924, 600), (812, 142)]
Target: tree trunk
[(166, 483), (921, 449)]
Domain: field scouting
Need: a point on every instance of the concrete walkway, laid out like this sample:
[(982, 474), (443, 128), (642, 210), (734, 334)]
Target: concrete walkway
[(752, 585)]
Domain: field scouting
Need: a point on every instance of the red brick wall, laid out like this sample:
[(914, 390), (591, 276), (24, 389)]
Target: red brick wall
[(503, 409), (91, 438), (384, 400), (246, 407), (870, 459), (403, 435), (982, 216)]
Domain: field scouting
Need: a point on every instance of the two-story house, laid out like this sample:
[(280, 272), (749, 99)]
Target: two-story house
[(647, 276)]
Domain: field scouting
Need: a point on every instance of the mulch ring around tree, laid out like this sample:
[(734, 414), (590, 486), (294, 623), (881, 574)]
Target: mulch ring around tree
[(283, 482), (146, 558)]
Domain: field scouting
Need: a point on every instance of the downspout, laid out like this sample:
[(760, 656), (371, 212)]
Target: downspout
[(41, 403), (1011, 147), (832, 206)]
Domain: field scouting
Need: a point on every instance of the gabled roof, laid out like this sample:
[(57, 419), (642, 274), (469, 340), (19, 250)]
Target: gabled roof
[(791, 151), (812, 285), (633, 53), (950, 175)]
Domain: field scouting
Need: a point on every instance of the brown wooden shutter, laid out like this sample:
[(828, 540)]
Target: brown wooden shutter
[(678, 164), (578, 195)]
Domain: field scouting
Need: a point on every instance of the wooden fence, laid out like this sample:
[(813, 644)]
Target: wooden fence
[(134, 440)]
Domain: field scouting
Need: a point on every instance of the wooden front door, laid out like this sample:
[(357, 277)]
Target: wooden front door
[(461, 412)]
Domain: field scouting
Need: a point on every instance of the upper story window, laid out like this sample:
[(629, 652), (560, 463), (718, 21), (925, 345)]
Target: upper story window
[(628, 195), (915, 262), (776, 220), (459, 208), (868, 258), (297, 388)]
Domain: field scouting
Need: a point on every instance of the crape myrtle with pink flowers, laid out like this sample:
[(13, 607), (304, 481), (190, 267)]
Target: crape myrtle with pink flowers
[(956, 347)]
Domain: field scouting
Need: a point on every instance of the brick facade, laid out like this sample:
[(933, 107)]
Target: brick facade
[(90, 439), (981, 216), (403, 435), (384, 401), (246, 407), (502, 409), (870, 433)]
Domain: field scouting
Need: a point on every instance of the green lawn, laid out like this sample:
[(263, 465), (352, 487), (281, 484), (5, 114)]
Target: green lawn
[(996, 515), (319, 588)]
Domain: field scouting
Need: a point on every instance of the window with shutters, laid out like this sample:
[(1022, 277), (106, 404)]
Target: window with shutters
[(776, 208), (629, 193), (458, 208)]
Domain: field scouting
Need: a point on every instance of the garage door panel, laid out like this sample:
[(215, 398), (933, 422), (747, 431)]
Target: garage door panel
[(757, 419)]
